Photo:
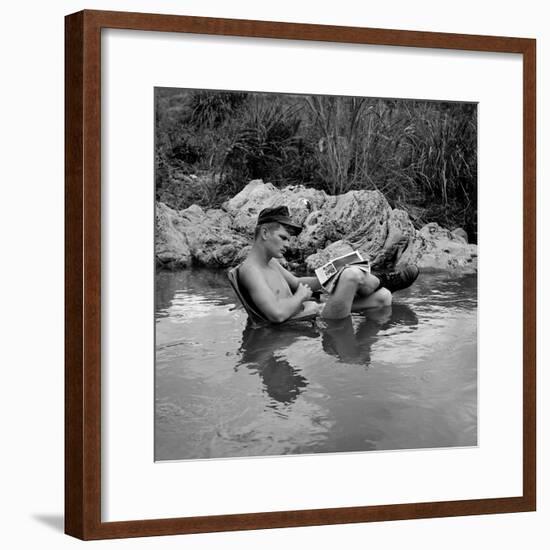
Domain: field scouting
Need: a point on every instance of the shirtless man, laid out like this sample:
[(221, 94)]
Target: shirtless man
[(281, 295)]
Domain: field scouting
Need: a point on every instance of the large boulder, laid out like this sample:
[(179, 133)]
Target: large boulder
[(245, 206), (400, 235), (333, 226), (358, 216), (459, 232), (171, 246), (195, 237), (438, 249), (333, 250)]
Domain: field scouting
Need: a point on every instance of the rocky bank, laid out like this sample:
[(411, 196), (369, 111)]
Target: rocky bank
[(333, 225)]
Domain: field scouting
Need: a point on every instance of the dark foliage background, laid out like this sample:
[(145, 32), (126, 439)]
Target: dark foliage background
[(421, 154)]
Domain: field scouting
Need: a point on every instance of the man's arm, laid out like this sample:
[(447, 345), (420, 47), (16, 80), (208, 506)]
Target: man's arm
[(275, 309), (312, 282), (294, 281)]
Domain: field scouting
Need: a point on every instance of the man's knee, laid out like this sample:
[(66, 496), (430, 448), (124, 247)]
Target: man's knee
[(384, 297), (365, 283), (354, 275)]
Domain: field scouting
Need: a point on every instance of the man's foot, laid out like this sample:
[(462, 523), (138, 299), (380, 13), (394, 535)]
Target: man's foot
[(398, 280)]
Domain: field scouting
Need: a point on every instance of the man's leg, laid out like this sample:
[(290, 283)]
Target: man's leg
[(381, 298), (355, 290)]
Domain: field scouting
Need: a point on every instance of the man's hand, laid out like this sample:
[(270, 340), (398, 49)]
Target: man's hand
[(303, 292)]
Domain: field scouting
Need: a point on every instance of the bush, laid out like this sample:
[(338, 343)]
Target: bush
[(421, 154), (264, 144)]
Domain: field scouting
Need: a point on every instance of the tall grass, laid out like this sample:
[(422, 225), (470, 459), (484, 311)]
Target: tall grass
[(265, 142), (339, 121), (421, 154)]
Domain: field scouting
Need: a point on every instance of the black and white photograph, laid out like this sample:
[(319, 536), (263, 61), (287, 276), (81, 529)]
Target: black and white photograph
[(315, 274)]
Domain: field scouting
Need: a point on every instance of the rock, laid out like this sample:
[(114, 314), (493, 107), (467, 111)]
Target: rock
[(368, 224), (339, 248), (171, 248), (210, 238), (194, 237), (358, 216), (459, 232), (245, 206), (333, 226), (438, 249), (401, 233)]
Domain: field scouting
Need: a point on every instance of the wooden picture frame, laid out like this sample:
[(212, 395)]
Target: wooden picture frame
[(83, 274)]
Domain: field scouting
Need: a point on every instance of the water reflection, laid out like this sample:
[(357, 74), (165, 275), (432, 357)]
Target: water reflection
[(203, 286), (352, 344), (263, 349), (403, 377)]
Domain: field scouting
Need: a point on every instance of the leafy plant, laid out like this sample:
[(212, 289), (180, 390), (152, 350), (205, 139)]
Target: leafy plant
[(211, 109), (422, 155), (264, 144)]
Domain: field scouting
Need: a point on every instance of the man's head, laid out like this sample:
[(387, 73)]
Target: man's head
[(274, 229), (277, 215)]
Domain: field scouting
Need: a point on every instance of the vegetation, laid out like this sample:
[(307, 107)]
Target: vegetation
[(421, 154)]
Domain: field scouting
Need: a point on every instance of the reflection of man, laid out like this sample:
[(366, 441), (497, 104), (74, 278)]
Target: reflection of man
[(280, 295), (354, 345), (262, 351)]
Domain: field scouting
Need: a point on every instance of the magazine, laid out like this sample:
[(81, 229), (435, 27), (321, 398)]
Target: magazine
[(329, 273)]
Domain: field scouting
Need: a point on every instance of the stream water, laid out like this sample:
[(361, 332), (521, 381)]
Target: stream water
[(403, 377)]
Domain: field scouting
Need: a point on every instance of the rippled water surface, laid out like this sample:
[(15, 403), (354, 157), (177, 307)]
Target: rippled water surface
[(403, 377)]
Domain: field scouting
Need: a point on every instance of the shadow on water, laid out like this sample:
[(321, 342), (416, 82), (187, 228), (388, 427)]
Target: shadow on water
[(262, 349)]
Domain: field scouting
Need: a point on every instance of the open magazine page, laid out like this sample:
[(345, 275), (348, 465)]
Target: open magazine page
[(329, 273)]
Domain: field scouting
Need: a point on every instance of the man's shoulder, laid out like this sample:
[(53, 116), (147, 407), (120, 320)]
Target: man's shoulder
[(251, 273), (249, 270), (250, 266)]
